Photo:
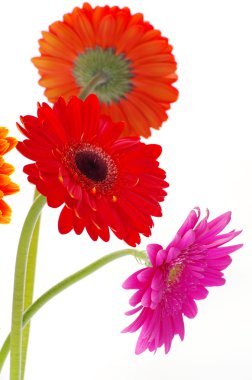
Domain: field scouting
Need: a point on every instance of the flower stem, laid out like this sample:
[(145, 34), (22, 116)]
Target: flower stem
[(96, 80), (29, 286), (67, 282), (19, 287)]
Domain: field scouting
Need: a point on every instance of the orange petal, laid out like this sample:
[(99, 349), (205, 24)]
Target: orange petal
[(7, 144), (153, 111), (98, 14), (121, 24), (4, 180), (65, 91), (66, 34), (11, 188), (138, 123), (130, 38), (147, 48), (52, 64), (156, 90), (137, 18), (52, 45), (7, 169), (57, 80), (106, 32), (3, 132), (155, 69), (157, 58), (84, 28), (5, 213)]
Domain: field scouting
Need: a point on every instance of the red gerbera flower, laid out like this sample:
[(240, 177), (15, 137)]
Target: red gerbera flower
[(103, 181), (116, 55)]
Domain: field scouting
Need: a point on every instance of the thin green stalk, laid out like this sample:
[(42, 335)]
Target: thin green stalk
[(67, 282), (29, 286), (19, 287), (99, 78)]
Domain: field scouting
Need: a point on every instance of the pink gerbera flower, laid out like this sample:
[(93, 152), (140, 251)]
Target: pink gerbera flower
[(177, 276)]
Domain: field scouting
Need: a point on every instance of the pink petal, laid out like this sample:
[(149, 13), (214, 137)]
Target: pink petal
[(132, 281), (201, 227), (137, 323), (146, 298), (222, 251), (178, 323), (156, 297), (152, 322), (190, 221), (161, 257), (220, 263), (146, 275), (136, 298), (167, 332), (190, 308), (219, 223), (141, 346), (216, 241), (174, 242), (213, 281), (133, 311), (152, 250), (199, 292), (187, 240), (172, 254), (157, 280)]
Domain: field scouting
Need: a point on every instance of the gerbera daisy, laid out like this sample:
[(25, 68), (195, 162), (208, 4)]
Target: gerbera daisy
[(6, 186), (103, 181), (116, 55), (176, 277)]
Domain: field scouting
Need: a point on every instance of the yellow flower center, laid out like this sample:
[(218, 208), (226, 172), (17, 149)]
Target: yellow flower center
[(174, 273)]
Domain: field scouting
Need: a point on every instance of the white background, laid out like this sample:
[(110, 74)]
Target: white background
[(207, 155)]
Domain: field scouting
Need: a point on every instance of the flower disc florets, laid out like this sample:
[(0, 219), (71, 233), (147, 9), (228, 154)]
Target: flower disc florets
[(91, 166)]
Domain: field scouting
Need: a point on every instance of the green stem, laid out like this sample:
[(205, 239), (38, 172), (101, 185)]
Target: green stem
[(99, 78), (29, 286), (19, 287), (67, 282)]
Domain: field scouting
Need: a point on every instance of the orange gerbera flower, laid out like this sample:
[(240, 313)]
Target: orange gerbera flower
[(116, 55), (6, 186)]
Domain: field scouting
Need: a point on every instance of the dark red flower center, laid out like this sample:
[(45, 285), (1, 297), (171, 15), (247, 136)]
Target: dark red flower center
[(92, 165)]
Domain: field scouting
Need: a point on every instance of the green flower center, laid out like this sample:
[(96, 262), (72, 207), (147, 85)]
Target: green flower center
[(103, 73)]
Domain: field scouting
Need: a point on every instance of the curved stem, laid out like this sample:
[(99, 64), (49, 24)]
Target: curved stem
[(29, 286), (99, 78), (4, 351), (19, 287), (67, 282)]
